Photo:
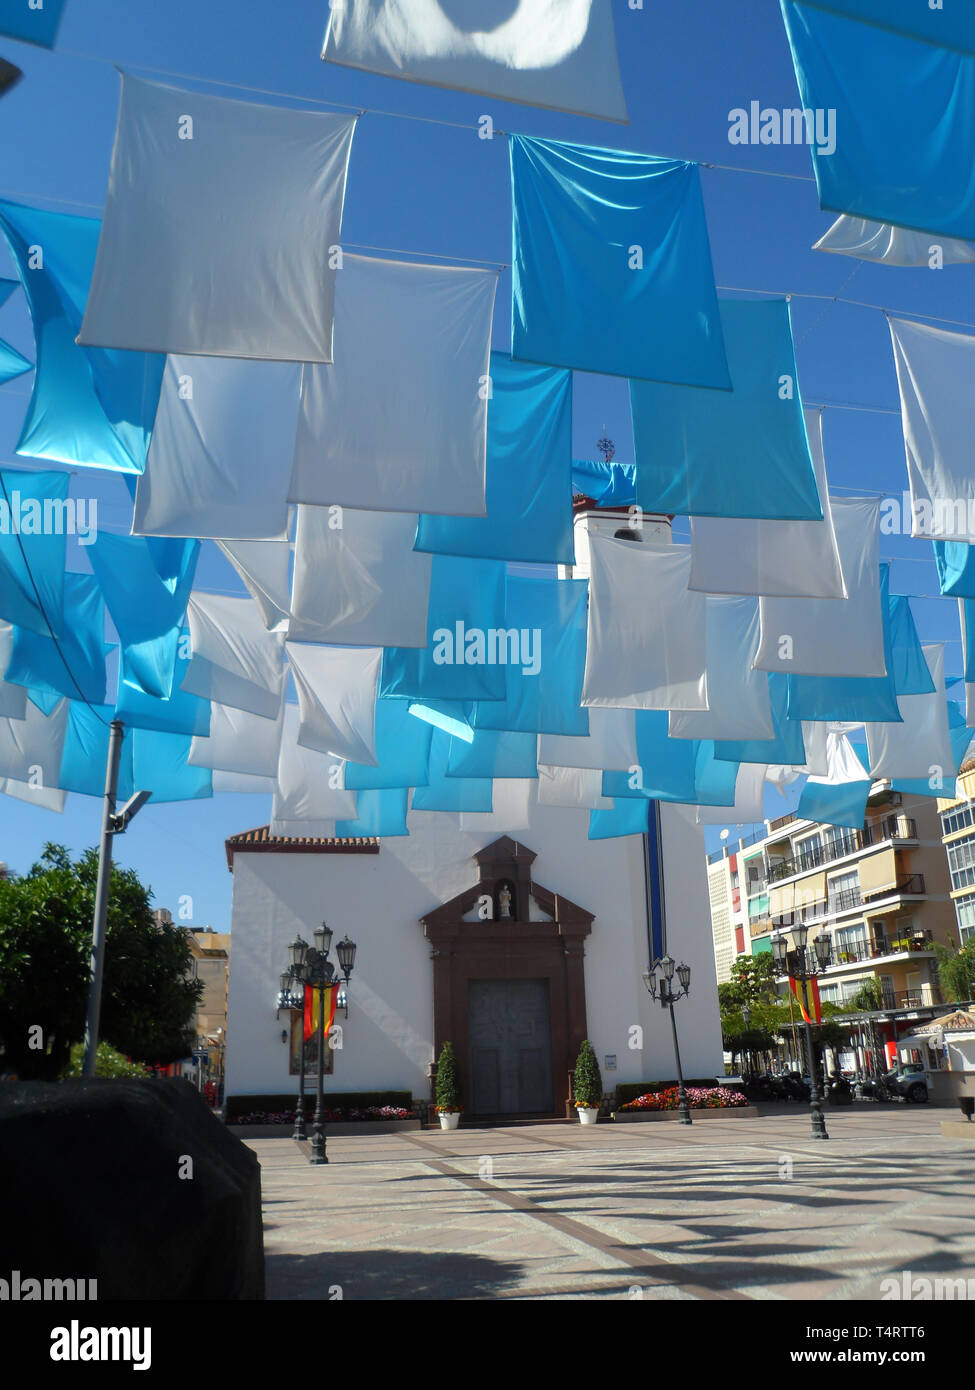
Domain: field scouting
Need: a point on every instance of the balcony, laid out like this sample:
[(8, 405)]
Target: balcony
[(850, 842), (891, 999), (856, 952), (847, 901)]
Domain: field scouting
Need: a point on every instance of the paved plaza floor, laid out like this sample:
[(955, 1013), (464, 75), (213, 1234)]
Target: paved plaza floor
[(739, 1209)]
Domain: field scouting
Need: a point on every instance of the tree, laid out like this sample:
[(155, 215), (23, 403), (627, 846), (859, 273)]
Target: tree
[(148, 1001), (956, 971), (108, 1062), (869, 998), (587, 1083), (752, 982), (448, 1082)]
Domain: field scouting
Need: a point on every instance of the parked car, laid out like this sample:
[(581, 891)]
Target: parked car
[(908, 1082)]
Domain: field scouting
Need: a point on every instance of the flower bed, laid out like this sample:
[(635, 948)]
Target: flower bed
[(330, 1116), (698, 1098)]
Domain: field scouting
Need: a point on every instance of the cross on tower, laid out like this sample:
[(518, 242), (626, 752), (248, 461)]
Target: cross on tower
[(606, 447)]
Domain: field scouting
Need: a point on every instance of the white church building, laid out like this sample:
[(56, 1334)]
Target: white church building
[(573, 925), (515, 994)]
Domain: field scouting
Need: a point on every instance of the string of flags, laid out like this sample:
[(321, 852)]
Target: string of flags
[(380, 472)]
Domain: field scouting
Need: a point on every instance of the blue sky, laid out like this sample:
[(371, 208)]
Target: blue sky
[(427, 188)]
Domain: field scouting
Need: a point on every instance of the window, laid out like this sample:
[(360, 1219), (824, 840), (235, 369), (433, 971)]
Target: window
[(851, 943), (844, 891), (958, 818), (961, 862), (757, 882), (840, 841), (829, 994), (849, 988), (808, 852), (965, 913)]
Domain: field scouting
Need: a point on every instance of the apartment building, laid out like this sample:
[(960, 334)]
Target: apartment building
[(721, 877), (211, 964), (882, 894), (958, 834), (739, 901)]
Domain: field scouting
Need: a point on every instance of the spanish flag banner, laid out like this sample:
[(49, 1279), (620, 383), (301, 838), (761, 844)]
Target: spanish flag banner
[(312, 1006), (807, 997)]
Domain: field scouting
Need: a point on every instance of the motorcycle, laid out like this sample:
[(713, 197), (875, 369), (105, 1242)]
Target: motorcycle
[(839, 1091), (876, 1088)]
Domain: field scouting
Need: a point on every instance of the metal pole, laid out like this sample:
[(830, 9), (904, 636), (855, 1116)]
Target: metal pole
[(318, 1154), (299, 1134), (97, 963), (683, 1111), (815, 1099)]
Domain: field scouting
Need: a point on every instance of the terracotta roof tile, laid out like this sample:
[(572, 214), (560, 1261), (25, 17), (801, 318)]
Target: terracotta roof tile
[(260, 840)]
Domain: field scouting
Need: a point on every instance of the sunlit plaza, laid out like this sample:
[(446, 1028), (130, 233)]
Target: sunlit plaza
[(748, 1209)]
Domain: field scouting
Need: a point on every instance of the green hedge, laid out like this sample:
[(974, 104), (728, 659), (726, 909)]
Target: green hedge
[(629, 1090), (335, 1100)]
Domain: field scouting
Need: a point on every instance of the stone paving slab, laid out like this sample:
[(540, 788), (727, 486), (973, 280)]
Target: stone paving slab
[(760, 1211)]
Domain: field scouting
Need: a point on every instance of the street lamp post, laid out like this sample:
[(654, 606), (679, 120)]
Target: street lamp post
[(291, 998), (113, 823), (796, 964), (663, 990), (310, 965)]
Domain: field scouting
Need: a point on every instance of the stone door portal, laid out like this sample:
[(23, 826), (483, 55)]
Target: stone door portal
[(509, 1029), (509, 986)]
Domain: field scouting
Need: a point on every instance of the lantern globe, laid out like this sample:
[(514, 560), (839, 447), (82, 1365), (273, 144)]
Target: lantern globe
[(345, 950)]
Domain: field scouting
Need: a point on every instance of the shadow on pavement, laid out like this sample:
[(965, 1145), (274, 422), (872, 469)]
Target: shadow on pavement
[(387, 1274)]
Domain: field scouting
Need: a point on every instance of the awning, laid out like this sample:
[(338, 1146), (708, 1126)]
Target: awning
[(782, 900), (878, 873), (811, 889)]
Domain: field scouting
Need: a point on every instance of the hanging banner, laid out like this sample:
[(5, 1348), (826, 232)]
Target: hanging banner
[(559, 54), (313, 1008), (242, 262), (806, 994)]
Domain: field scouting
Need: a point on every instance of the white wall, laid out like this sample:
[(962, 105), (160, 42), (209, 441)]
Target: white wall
[(378, 900)]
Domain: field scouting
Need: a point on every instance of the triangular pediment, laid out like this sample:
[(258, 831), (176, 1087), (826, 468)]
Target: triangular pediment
[(506, 894)]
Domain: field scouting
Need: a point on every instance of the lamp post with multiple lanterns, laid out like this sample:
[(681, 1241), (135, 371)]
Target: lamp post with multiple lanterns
[(663, 989), (311, 968), (291, 996), (797, 964)]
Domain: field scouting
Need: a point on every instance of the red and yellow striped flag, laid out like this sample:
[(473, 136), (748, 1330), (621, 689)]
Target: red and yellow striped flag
[(807, 997), (312, 1006)]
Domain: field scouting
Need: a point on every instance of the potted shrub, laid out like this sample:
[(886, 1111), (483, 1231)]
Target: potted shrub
[(448, 1088), (587, 1085)]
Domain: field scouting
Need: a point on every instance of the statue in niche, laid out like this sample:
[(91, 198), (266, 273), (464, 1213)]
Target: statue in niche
[(505, 901)]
